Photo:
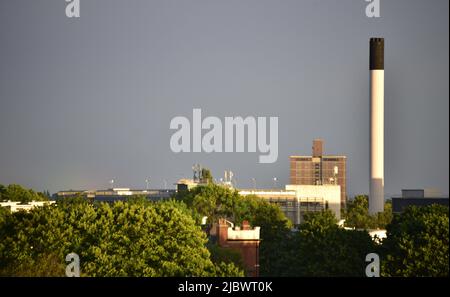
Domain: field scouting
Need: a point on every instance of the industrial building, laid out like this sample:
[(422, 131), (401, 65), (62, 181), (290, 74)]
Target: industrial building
[(307, 195), (320, 169), (296, 200), (417, 197), (115, 194)]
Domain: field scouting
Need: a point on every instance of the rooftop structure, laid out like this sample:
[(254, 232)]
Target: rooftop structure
[(417, 197), (245, 240), (17, 206), (115, 194)]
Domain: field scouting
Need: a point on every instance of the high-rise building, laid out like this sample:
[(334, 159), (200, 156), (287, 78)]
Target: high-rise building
[(320, 169)]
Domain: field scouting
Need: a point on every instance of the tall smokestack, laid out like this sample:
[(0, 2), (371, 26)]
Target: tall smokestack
[(376, 197)]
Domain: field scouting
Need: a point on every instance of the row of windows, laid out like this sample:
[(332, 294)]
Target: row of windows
[(309, 165)]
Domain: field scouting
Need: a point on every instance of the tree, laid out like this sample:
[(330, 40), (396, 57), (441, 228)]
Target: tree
[(122, 239), (417, 243), (275, 232), (206, 176), (318, 221), (45, 265), (384, 218), (2, 190), (212, 200), (321, 248), (17, 193), (227, 256), (357, 214), (215, 201)]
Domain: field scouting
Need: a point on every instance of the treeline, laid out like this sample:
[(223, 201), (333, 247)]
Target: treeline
[(357, 214), (142, 238), (134, 238), (416, 245), (14, 192)]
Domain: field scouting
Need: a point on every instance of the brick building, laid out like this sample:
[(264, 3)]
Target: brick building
[(245, 240), (320, 169)]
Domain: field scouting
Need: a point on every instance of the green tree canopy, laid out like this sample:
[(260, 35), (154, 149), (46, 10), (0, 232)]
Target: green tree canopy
[(206, 176), (215, 201), (417, 243), (321, 248), (14, 192), (122, 239), (357, 214), (212, 200)]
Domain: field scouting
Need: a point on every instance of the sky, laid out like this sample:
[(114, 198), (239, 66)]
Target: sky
[(90, 99)]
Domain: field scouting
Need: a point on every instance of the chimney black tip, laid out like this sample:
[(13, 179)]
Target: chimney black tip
[(376, 53)]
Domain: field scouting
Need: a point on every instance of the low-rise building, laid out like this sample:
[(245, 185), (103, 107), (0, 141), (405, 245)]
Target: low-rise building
[(417, 197), (243, 239), (17, 206), (115, 194)]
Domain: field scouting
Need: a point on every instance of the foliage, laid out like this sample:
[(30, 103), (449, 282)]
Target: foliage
[(318, 221), (225, 255), (321, 248), (417, 243), (4, 213), (206, 176), (122, 239), (357, 214), (14, 192), (215, 201), (143, 238), (228, 270), (275, 231), (44, 265)]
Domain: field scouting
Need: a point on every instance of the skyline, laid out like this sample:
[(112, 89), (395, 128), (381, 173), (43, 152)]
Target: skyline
[(89, 100)]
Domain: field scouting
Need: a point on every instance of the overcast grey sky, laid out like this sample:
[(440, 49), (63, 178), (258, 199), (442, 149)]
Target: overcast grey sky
[(86, 100)]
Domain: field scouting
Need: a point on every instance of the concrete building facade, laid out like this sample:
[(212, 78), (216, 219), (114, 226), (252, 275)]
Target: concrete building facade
[(296, 200)]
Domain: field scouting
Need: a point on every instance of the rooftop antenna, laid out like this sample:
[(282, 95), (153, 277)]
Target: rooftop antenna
[(197, 169), (230, 176)]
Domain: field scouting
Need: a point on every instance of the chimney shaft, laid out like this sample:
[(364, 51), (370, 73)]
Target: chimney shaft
[(376, 66), (222, 232)]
